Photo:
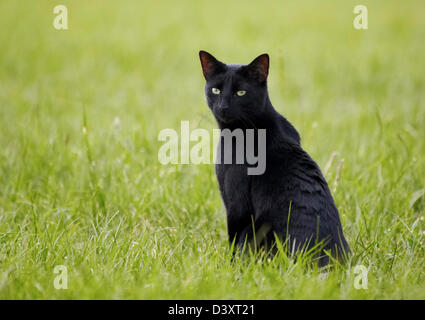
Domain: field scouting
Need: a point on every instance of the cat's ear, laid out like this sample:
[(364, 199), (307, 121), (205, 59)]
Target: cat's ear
[(258, 69), (210, 65)]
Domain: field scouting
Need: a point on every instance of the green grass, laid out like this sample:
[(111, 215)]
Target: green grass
[(128, 227)]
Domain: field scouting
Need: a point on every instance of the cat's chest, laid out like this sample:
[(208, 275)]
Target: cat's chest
[(233, 179)]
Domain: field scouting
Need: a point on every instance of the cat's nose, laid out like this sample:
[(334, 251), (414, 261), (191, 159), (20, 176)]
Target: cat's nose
[(221, 112), (223, 106)]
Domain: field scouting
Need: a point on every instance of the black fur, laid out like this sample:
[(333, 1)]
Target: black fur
[(292, 183)]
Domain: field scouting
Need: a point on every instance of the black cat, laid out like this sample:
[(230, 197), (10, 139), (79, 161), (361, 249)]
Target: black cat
[(291, 199)]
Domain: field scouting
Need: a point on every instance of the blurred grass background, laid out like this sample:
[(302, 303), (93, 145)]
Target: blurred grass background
[(127, 226)]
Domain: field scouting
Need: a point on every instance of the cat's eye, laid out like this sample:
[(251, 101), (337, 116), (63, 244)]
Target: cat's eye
[(215, 91), (240, 93)]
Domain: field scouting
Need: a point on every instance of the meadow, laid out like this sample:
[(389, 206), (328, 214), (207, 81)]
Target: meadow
[(80, 112)]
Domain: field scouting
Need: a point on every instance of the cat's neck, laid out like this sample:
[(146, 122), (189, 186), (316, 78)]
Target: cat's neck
[(266, 120), (277, 126)]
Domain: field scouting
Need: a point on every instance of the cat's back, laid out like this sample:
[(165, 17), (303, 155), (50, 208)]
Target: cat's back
[(294, 182), (286, 129)]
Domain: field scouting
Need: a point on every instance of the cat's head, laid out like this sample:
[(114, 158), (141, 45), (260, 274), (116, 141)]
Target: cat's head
[(235, 93)]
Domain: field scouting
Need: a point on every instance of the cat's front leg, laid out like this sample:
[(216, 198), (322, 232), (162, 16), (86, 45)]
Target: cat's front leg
[(234, 186), (238, 222)]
